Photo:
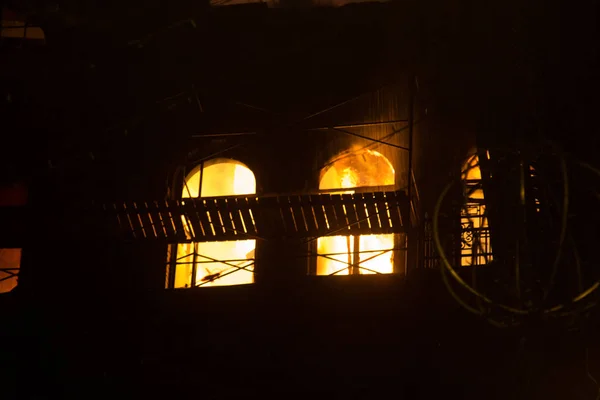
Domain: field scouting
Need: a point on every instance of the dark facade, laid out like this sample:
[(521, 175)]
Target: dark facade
[(122, 113)]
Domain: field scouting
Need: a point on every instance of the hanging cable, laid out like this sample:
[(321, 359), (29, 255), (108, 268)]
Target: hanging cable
[(446, 263), (563, 223)]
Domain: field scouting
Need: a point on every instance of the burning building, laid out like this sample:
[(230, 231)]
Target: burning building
[(238, 200)]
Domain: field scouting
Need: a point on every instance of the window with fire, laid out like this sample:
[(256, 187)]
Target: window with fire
[(232, 262), (223, 262), (360, 254), (476, 248)]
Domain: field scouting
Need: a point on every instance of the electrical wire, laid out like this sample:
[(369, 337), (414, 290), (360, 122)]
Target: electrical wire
[(350, 100), (446, 262), (369, 146), (368, 138), (592, 288)]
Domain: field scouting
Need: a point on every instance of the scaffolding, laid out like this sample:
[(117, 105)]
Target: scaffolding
[(262, 217), (301, 217)]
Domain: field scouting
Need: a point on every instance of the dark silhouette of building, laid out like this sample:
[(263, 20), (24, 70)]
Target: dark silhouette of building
[(121, 107)]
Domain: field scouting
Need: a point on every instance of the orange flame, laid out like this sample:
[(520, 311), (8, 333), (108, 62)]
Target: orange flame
[(349, 178)]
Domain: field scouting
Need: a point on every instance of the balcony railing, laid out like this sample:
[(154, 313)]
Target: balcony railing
[(246, 217)]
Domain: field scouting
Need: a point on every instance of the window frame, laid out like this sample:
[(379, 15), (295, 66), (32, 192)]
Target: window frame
[(182, 175), (397, 238)]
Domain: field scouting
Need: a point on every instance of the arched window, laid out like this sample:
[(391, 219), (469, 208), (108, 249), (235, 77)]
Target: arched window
[(476, 246), (364, 254), (216, 263)]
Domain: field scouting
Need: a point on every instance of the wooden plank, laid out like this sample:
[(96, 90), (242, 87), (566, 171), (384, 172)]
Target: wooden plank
[(126, 217), (170, 212), (246, 206), (382, 208), (226, 219), (299, 217), (206, 232), (211, 210), (233, 217), (174, 226), (348, 202), (309, 215), (156, 219), (329, 210), (185, 219), (342, 218), (317, 207), (236, 218), (125, 226), (136, 222), (361, 213), (372, 211), (122, 222), (191, 213), (398, 220), (142, 213), (298, 221), (285, 209), (147, 220)]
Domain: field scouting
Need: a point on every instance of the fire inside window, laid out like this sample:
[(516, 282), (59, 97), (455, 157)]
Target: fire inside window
[(363, 254), (216, 263), (476, 246)]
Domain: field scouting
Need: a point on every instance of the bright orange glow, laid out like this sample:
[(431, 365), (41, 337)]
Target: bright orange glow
[(217, 263), (349, 179), (10, 262), (477, 250), (358, 169), (15, 29), (373, 254), (471, 170)]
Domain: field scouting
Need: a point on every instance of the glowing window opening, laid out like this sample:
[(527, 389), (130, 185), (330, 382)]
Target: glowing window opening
[(216, 263), (476, 247), (362, 254)]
